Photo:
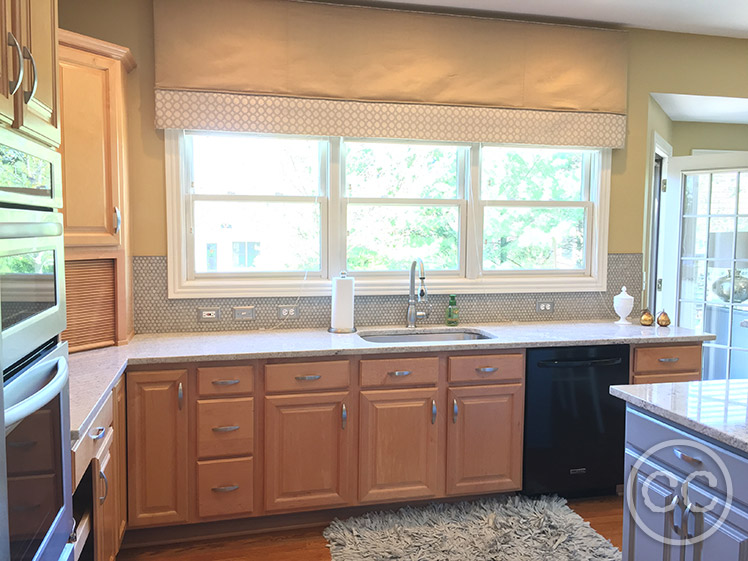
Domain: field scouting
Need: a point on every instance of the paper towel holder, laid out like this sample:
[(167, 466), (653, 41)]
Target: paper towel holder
[(343, 274)]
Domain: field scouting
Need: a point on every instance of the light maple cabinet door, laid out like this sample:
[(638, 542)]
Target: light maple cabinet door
[(157, 447), (105, 509), (484, 439), (401, 445), (91, 95), (119, 452), (37, 106), (309, 451), (9, 62)]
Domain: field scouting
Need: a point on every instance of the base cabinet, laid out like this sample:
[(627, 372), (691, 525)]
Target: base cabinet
[(158, 449), (309, 451), (400, 446), (106, 528)]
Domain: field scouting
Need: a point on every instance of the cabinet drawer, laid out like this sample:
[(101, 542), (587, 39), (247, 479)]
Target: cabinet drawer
[(667, 359), (303, 376), (663, 378), (224, 487), (225, 427), (92, 441), (225, 380), (486, 368), (399, 372)]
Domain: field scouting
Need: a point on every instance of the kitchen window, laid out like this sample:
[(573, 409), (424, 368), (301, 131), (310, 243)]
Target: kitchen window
[(269, 215)]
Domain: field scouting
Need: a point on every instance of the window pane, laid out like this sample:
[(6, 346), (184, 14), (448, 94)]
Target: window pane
[(743, 197), (724, 193), (694, 237), (692, 279), (235, 164), (400, 170), (253, 237), (532, 174), (388, 238), (533, 238), (697, 194)]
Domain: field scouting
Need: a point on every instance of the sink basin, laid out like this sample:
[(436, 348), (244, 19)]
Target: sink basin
[(423, 336)]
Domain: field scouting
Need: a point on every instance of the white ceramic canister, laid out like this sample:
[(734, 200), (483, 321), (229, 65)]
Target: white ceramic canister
[(623, 303)]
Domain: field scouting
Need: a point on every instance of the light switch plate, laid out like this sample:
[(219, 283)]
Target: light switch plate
[(244, 313)]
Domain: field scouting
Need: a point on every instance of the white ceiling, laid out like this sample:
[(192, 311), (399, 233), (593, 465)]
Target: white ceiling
[(710, 17), (703, 109)]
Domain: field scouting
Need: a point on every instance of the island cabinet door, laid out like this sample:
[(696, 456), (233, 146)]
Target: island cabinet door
[(157, 447), (484, 439), (309, 451), (725, 538), (401, 453)]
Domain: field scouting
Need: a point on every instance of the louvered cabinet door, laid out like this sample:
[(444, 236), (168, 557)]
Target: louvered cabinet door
[(90, 291)]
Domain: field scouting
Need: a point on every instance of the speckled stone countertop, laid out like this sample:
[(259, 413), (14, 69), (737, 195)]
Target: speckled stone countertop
[(718, 409), (94, 373)]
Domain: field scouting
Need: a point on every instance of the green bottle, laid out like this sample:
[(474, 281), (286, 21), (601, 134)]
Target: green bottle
[(453, 312)]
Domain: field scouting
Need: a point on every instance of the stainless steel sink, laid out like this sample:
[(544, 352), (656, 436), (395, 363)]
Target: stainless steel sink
[(423, 336)]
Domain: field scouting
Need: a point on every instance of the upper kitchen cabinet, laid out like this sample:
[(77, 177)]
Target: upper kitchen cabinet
[(34, 40), (9, 63), (92, 101)]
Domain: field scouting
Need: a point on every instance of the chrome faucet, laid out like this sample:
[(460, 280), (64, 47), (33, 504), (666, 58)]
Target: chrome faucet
[(412, 314)]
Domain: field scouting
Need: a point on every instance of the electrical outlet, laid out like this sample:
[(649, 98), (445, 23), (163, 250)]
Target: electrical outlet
[(288, 311), (544, 307), (207, 315), (244, 313)]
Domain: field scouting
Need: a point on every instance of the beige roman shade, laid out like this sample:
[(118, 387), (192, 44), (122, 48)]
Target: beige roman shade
[(310, 68)]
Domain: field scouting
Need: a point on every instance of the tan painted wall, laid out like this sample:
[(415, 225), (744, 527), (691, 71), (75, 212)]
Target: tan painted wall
[(659, 62), (708, 136)]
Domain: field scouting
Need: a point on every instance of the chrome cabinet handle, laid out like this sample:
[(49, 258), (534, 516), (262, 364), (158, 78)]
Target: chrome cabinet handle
[(455, 411), (674, 504), (224, 382), (225, 488), (117, 220), (433, 411), (29, 95), (688, 512), (15, 84), (673, 359), (106, 487), (227, 428), (400, 373), (308, 378), (487, 369), (344, 417), (180, 395), (98, 433), (686, 458)]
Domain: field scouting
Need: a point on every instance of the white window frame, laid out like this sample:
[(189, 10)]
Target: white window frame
[(183, 283)]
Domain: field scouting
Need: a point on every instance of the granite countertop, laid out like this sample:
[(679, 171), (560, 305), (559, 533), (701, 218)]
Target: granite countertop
[(94, 373), (717, 409)]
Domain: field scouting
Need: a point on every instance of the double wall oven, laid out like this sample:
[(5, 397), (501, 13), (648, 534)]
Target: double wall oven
[(35, 481)]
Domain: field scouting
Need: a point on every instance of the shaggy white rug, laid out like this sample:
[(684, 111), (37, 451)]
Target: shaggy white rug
[(513, 528)]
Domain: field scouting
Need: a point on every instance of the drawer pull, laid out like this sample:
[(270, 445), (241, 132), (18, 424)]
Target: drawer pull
[(487, 369), (228, 428), (686, 458), (672, 359), (225, 488), (399, 373), (225, 382), (309, 378), (98, 433)]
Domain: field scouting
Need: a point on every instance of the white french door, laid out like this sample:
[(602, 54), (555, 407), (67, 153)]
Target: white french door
[(703, 255)]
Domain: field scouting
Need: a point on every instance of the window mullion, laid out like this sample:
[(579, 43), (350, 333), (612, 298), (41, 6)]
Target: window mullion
[(337, 209), (474, 237)]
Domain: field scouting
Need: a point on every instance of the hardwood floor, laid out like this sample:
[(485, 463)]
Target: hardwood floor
[(604, 514)]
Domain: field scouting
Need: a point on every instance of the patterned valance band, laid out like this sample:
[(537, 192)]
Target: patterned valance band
[(320, 117)]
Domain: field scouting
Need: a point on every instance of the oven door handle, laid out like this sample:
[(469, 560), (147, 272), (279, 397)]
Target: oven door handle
[(17, 230), (19, 411)]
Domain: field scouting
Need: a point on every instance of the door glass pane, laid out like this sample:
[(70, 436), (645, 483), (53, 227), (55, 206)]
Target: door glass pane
[(740, 327), (740, 286), (533, 238), (715, 363), (694, 237), (696, 194), (717, 322), (738, 364), (279, 237), (718, 282), (388, 237), (721, 239), (724, 193), (692, 280), (691, 316), (743, 197), (27, 285), (741, 244)]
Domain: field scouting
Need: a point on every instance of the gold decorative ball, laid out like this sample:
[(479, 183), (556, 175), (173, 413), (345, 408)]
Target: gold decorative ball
[(647, 318), (663, 320)]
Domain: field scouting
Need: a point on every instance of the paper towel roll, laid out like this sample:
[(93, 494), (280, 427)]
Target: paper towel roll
[(342, 304)]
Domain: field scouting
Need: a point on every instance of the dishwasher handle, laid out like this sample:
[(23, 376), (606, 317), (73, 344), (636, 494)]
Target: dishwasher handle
[(579, 363)]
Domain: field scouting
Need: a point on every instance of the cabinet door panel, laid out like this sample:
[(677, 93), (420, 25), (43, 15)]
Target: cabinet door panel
[(729, 542), (484, 439), (105, 510), (157, 447), (309, 451), (119, 452), (401, 447)]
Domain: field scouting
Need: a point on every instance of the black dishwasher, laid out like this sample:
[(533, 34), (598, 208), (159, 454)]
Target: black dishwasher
[(574, 429)]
